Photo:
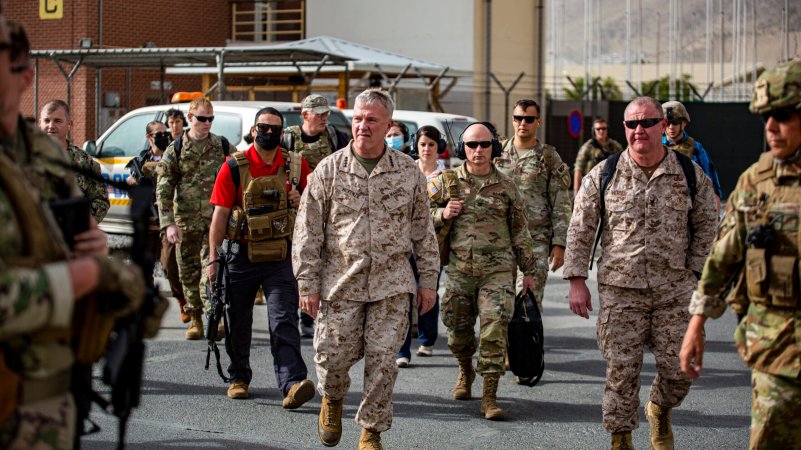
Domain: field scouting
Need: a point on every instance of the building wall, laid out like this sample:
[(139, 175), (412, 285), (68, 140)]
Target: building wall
[(514, 48), (125, 24)]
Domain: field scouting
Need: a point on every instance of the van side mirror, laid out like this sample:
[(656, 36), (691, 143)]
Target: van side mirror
[(90, 147)]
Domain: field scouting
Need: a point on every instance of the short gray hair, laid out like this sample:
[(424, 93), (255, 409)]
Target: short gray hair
[(645, 101), (376, 95)]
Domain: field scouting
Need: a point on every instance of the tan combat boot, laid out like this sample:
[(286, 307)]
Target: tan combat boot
[(185, 317), (622, 441), (661, 431), (464, 383), (329, 426), (489, 404), (195, 330), (370, 440)]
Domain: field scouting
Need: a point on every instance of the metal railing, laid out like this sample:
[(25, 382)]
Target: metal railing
[(268, 20)]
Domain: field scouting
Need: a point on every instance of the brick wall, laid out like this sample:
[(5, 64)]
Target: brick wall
[(206, 23)]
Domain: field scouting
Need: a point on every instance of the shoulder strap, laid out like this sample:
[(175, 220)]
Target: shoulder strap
[(689, 174), (610, 166), (225, 145), (177, 148), (292, 166), (236, 163), (333, 137)]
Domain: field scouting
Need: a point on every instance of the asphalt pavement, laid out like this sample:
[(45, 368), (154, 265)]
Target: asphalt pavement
[(184, 406)]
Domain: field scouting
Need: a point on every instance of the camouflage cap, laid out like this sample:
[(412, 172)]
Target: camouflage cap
[(779, 87), (316, 103), (675, 110)]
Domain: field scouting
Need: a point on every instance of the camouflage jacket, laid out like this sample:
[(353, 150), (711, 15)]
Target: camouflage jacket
[(35, 293), (312, 152), (491, 233), (37, 155), (646, 241), (184, 187), (93, 190), (544, 180), (767, 338), (590, 154), (354, 233)]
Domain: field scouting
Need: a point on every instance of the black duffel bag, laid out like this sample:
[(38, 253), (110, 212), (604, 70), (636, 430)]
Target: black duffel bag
[(525, 343)]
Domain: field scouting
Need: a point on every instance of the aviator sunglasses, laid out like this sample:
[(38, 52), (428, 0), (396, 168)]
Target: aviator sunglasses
[(159, 134), (646, 123)]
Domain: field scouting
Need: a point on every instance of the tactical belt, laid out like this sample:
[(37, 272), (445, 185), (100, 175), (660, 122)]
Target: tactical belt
[(34, 390)]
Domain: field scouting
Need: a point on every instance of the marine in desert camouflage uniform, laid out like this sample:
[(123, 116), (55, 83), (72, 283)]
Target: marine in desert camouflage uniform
[(544, 180), (489, 238), (183, 191), (757, 256), (362, 215), (55, 119), (654, 238)]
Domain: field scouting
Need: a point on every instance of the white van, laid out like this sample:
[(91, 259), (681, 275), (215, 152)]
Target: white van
[(126, 139), (450, 125)]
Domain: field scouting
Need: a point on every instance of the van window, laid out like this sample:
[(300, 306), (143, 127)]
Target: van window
[(338, 121), (128, 139), (292, 118), (228, 125)]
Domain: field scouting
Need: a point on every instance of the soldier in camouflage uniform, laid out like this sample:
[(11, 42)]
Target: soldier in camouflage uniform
[(56, 120), (654, 237), (362, 215), (594, 151), (676, 138), (185, 182), (489, 238), (544, 180), (314, 139), (36, 310), (757, 251)]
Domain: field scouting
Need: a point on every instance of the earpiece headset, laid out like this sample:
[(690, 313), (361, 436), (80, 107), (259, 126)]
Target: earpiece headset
[(496, 143)]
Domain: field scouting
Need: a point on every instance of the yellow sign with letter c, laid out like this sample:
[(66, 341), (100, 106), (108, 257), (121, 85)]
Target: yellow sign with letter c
[(51, 9)]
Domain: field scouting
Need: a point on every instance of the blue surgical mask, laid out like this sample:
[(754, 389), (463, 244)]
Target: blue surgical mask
[(394, 142)]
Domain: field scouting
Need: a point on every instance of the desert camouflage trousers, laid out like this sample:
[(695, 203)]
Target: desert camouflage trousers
[(775, 412), (192, 255), (46, 424), (630, 319), (348, 331), (491, 299)]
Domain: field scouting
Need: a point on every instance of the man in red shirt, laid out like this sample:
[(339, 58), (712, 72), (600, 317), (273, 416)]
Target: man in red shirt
[(254, 198)]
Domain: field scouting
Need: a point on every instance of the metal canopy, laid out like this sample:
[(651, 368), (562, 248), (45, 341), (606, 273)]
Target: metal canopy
[(176, 56)]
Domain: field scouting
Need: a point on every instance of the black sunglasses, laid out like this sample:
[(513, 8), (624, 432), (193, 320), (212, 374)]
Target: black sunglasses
[(20, 69), (779, 115), (267, 128), (204, 119), (5, 46), (675, 121), (475, 144), (528, 119), (601, 129), (646, 123), (158, 134)]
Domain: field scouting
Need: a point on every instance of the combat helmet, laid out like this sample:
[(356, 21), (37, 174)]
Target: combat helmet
[(675, 110), (779, 87)]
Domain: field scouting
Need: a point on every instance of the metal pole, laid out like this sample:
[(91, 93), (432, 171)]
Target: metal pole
[(488, 63), (639, 44), (722, 51), (708, 43), (36, 90), (628, 40)]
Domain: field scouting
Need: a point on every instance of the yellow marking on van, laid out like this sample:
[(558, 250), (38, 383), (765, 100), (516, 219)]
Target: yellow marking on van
[(114, 160), (119, 201)]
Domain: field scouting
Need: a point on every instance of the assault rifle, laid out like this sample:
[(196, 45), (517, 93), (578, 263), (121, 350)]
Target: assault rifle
[(220, 298)]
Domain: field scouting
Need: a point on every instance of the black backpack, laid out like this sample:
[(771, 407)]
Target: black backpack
[(526, 346), (609, 171)]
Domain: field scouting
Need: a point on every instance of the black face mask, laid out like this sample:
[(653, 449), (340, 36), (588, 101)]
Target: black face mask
[(162, 141), (267, 141)]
